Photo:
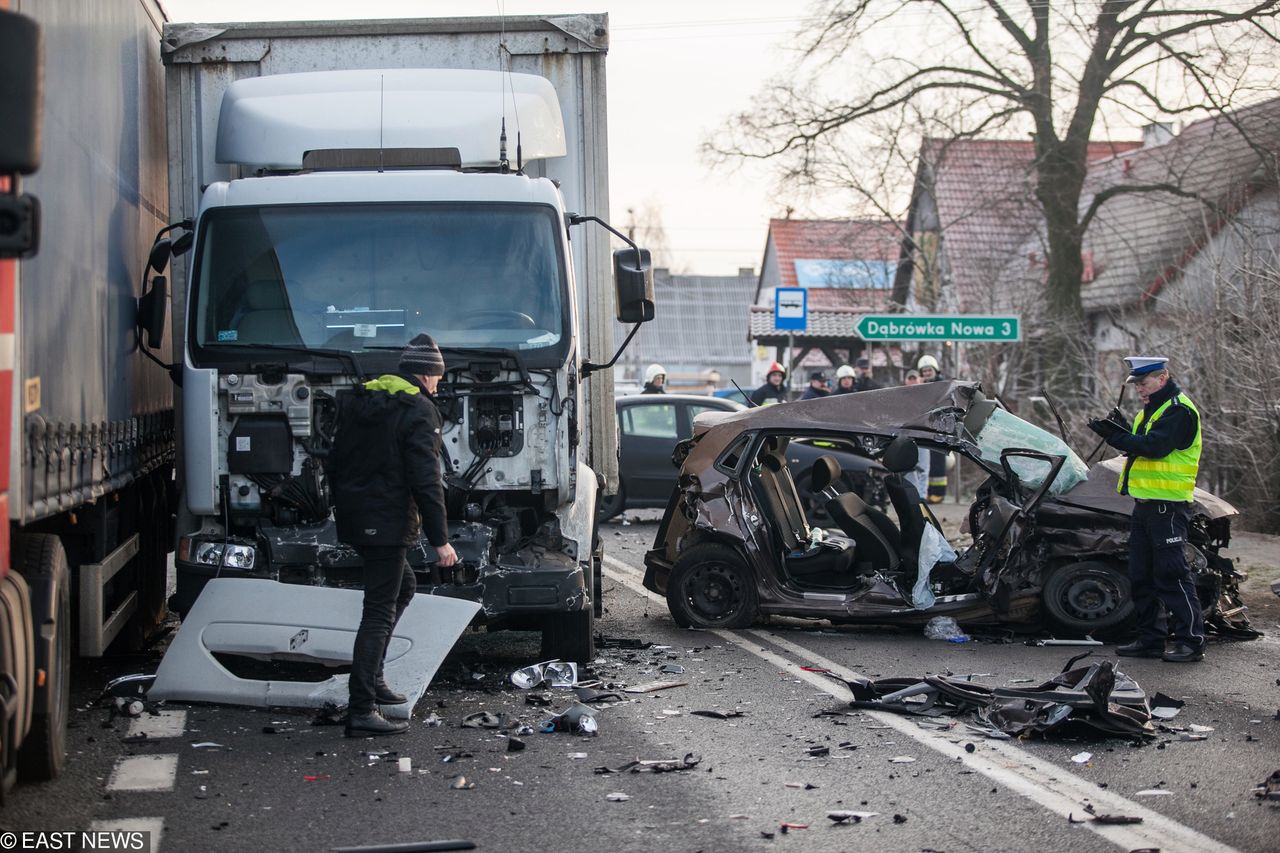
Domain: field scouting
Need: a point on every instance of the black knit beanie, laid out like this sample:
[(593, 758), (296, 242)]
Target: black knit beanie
[(422, 357)]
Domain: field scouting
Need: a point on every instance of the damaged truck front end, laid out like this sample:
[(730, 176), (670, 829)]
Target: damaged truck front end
[(272, 347)]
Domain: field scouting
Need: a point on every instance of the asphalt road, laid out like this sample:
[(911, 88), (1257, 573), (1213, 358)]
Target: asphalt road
[(306, 787)]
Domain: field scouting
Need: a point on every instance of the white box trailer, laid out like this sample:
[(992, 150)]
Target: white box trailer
[(348, 184)]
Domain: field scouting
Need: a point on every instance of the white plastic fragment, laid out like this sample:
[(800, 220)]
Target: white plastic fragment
[(1082, 757), (901, 759), (617, 797), (406, 764), (1199, 729), (1154, 792)]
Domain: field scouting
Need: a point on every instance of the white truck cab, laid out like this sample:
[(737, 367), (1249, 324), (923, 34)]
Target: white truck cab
[(374, 205)]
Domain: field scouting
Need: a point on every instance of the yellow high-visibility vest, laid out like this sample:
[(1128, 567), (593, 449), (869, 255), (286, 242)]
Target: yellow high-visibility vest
[(1172, 478)]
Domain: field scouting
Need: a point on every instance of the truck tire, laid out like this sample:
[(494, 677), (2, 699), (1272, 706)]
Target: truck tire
[(1089, 597), (570, 636), (41, 560)]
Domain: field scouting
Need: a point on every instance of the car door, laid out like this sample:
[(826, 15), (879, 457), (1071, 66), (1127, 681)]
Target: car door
[(650, 430)]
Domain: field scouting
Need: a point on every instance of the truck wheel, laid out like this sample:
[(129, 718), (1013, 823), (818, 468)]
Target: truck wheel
[(570, 637), (712, 587), (43, 563), (1088, 597)]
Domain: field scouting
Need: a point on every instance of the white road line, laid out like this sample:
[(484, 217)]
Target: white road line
[(1058, 790), (144, 773), (153, 825), (160, 725)]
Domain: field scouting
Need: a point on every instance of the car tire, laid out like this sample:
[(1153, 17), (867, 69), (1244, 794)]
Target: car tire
[(612, 505), (1088, 597), (711, 586)]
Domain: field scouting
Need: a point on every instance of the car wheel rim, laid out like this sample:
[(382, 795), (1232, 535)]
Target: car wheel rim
[(714, 592), (1090, 597)]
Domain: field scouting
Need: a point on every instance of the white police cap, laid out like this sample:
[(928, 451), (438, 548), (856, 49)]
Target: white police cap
[(1141, 365)]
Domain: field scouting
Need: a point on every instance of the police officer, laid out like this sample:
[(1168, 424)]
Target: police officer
[(1163, 449), (817, 386)]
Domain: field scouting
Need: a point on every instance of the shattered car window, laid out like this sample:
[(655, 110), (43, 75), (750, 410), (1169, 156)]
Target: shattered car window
[(1004, 430)]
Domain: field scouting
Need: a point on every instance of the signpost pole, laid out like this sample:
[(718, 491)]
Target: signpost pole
[(791, 368)]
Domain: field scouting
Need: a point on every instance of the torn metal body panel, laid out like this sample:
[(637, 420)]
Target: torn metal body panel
[(272, 622), (1050, 533), (1097, 696)]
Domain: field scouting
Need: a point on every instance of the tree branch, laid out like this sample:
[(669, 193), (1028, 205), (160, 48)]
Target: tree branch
[(1109, 193)]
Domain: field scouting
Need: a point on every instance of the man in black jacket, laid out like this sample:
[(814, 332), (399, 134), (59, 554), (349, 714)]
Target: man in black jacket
[(387, 488)]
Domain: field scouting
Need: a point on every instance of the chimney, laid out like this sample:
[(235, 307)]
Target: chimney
[(1156, 133)]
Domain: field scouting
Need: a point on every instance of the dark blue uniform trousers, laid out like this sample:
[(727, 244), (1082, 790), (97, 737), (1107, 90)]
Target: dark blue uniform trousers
[(389, 586), (1160, 576)]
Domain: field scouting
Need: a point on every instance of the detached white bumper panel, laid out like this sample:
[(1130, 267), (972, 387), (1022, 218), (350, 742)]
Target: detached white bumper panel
[(267, 620)]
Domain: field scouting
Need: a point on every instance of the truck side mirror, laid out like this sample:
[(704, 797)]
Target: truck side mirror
[(151, 311), (20, 95), (160, 254), (633, 283)]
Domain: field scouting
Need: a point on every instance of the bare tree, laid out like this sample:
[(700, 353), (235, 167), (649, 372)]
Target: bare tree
[(964, 68)]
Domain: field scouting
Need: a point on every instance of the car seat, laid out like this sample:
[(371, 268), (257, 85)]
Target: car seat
[(820, 566), (267, 318), (876, 540), (899, 457)]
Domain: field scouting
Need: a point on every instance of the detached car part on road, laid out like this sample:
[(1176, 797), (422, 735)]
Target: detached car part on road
[(1050, 533)]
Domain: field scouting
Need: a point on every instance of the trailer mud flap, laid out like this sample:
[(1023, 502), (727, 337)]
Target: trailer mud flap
[(274, 621)]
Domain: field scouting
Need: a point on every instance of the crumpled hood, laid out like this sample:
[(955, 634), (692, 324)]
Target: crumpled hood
[(1099, 492)]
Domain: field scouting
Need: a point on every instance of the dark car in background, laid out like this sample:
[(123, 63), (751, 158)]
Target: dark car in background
[(649, 428)]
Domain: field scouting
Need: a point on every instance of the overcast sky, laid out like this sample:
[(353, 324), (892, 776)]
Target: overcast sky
[(676, 69)]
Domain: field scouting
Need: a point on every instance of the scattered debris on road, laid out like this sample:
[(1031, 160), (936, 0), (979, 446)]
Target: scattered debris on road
[(1269, 788), (553, 673), (842, 816), (652, 686), (1097, 696)]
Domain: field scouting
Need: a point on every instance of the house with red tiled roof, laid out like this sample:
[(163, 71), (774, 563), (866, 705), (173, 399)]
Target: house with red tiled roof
[(847, 267), (1164, 267), (973, 208)]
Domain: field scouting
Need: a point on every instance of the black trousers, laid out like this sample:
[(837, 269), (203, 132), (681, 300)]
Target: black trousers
[(389, 586), (1161, 577)]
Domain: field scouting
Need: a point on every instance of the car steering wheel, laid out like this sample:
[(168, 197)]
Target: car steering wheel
[(496, 318)]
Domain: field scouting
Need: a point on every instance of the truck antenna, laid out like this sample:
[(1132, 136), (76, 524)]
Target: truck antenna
[(503, 163), (382, 120)]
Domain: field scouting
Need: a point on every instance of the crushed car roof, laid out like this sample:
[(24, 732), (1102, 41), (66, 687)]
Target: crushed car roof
[(931, 408)]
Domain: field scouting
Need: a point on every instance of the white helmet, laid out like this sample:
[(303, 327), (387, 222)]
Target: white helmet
[(844, 372), (927, 361), (653, 371)]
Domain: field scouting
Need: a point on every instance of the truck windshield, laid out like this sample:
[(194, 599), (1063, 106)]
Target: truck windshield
[(366, 276), (1005, 430)]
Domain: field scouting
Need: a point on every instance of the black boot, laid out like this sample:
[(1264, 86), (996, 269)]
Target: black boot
[(385, 695), (1184, 653), (1139, 649), (373, 723)]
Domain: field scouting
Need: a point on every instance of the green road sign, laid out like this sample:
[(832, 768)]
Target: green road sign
[(939, 327)]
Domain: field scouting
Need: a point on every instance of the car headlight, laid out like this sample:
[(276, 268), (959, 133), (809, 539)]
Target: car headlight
[(220, 554)]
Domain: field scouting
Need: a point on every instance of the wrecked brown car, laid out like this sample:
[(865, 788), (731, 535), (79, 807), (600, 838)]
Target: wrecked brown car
[(1049, 533)]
